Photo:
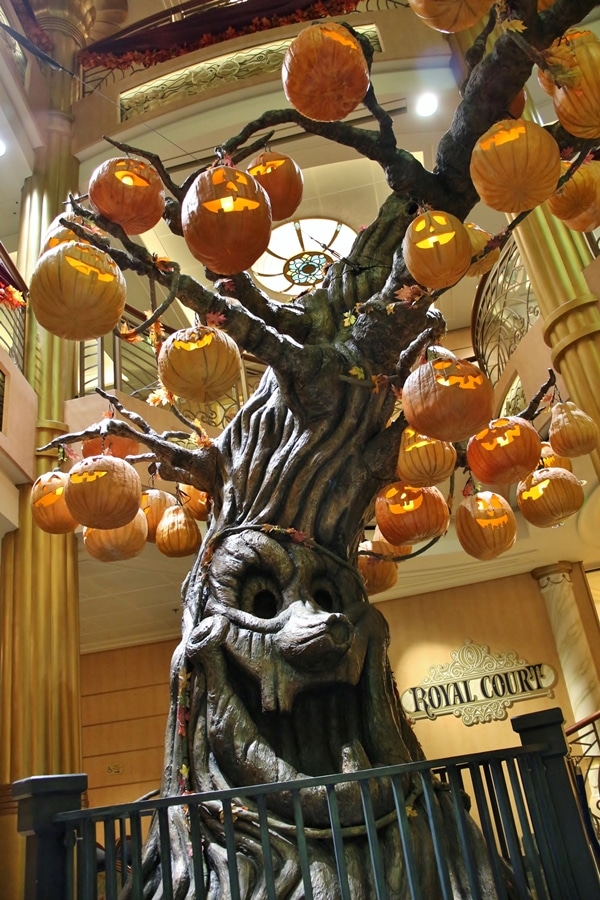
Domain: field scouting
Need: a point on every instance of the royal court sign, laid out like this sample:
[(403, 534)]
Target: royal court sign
[(477, 685)]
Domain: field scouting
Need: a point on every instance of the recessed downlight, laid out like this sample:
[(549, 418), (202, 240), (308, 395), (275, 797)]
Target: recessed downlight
[(426, 104)]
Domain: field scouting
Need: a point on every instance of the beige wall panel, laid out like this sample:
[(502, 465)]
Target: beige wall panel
[(131, 734), (120, 793), (135, 766), (507, 614), (118, 706), (129, 667)]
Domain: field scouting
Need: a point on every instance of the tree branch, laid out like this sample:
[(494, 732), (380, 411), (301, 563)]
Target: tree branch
[(533, 408)]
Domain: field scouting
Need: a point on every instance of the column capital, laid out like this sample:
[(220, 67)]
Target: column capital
[(562, 567)]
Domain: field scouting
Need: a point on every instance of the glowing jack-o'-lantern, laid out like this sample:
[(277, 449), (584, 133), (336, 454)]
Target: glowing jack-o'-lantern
[(550, 459), (572, 432), (447, 398), (504, 452), (437, 249), (57, 233), (77, 292), (199, 363), (113, 544), (129, 192), (407, 515), (325, 74), (577, 105), (479, 239), (177, 533), (549, 496), (103, 492), (576, 202), (378, 573), (485, 525), (423, 461), (196, 502), (48, 507), (282, 179), (515, 165), (226, 219), (450, 15)]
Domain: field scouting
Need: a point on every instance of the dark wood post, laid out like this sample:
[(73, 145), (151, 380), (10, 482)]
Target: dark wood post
[(40, 798), (546, 728)]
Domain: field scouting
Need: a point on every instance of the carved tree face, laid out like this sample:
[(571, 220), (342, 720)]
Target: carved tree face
[(283, 646)]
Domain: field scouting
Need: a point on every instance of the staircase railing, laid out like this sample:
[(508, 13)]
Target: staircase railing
[(523, 799)]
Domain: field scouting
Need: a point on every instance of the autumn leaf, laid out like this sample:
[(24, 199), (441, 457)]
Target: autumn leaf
[(11, 297), (163, 263), (357, 372), (129, 336), (349, 319), (297, 536), (409, 294), (161, 397), (513, 25), (215, 319)]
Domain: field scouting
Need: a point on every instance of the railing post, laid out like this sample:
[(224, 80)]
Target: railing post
[(40, 798), (545, 727)]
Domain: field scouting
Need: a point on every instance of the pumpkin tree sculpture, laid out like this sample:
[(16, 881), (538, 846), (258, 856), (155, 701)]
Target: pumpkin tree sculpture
[(282, 670)]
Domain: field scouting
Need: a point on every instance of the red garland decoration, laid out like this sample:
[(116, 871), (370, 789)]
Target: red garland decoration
[(319, 10), (32, 30)]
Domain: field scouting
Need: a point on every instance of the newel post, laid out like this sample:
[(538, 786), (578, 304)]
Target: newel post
[(40, 798), (545, 728)]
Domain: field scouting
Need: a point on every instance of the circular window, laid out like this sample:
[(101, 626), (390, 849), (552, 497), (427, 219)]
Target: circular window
[(299, 253)]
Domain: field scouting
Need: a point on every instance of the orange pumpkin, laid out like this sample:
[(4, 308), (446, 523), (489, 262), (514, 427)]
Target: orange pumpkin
[(572, 432), (447, 398), (549, 496), (450, 15), (577, 105), (103, 492), (559, 56), (325, 74), (578, 193), (378, 574), (129, 192), (48, 506), (407, 515), (479, 240), (177, 533), (437, 249), (57, 233), (282, 179), (199, 363), (485, 525), (195, 501), (77, 292), (423, 461), (113, 544), (550, 459), (515, 165), (504, 452), (226, 219), (153, 504), (110, 445)]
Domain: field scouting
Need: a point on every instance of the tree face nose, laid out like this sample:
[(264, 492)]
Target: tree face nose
[(338, 628)]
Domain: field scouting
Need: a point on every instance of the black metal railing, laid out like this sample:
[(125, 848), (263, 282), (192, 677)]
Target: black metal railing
[(535, 843)]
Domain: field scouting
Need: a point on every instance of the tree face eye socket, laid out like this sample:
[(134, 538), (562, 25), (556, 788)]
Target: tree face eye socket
[(324, 599), (260, 597)]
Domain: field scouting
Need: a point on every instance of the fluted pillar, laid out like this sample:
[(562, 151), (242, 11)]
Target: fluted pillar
[(579, 667), (39, 600)]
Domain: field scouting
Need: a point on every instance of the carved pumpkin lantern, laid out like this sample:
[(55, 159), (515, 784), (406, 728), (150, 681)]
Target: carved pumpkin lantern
[(196, 502), (450, 15), (282, 179), (57, 233), (226, 219), (437, 249), (113, 544), (48, 506), (447, 398), (485, 525), (577, 105), (560, 58), (129, 192), (325, 74), (549, 496), (423, 461), (572, 432), (177, 533), (77, 292), (396, 550), (103, 492), (479, 239), (504, 452), (576, 200), (199, 363), (153, 504), (515, 165), (407, 515), (550, 459), (379, 574)]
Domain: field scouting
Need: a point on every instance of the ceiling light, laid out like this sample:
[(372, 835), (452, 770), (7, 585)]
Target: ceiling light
[(426, 104), (2, 148)]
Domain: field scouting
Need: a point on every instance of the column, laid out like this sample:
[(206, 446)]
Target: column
[(580, 669), (39, 601)]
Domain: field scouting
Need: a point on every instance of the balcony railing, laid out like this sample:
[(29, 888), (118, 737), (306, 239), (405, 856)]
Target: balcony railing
[(523, 801), (584, 744)]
